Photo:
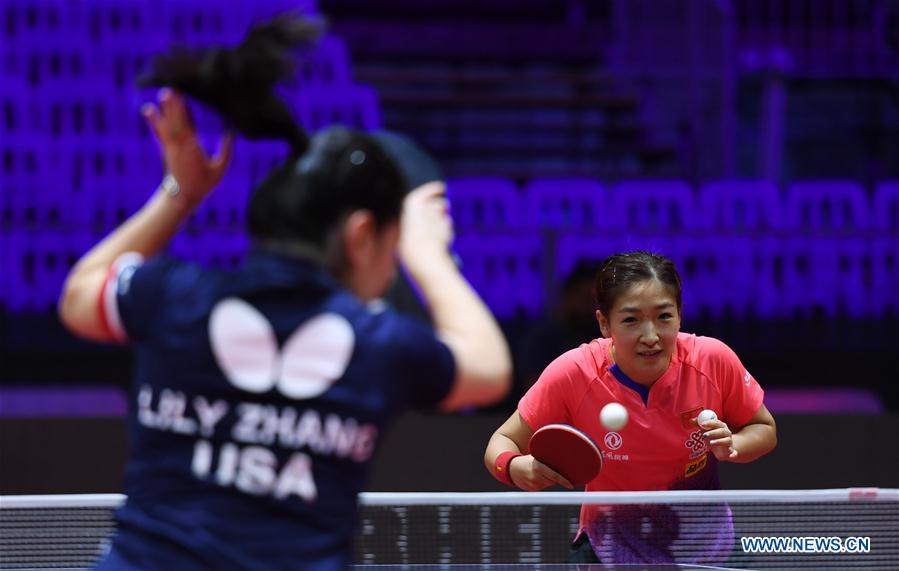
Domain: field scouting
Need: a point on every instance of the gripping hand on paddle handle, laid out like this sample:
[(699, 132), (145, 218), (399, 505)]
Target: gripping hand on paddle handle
[(532, 475)]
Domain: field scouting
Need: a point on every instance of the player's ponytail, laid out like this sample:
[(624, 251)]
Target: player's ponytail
[(239, 82), (301, 204)]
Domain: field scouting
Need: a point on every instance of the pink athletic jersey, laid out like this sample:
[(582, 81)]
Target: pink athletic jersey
[(659, 448)]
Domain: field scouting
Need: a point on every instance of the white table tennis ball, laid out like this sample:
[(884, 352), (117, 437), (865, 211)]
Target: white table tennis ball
[(613, 416), (706, 415)]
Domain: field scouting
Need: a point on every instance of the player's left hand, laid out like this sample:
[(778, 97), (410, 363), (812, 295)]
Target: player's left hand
[(427, 228), (184, 157), (720, 439)]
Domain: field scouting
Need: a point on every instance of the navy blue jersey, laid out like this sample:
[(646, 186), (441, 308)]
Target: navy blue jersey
[(259, 397)]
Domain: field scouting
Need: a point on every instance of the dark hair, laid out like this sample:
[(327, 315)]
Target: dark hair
[(305, 198), (621, 271), (324, 178), (239, 82)]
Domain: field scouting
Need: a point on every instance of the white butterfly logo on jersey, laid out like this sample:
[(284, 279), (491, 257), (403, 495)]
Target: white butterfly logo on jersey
[(246, 350)]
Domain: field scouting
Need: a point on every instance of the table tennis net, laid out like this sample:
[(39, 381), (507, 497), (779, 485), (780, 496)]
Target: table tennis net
[(844, 528)]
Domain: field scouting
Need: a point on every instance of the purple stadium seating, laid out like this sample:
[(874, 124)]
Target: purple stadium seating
[(716, 274), (885, 275), (829, 274), (328, 63), (808, 272), (656, 206), (505, 269), (823, 206), (766, 275), (487, 204), (847, 289), (567, 203), (886, 207), (346, 104), (21, 177), (740, 206), (37, 265), (12, 110), (586, 245)]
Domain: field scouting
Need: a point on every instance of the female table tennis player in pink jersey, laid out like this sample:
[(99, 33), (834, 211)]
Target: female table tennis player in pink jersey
[(664, 378)]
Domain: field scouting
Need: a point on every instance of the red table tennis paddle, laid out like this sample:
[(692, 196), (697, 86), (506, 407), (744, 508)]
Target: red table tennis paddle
[(568, 451)]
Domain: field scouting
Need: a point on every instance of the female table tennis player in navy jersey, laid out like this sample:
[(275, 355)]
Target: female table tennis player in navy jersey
[(259, 395), (664, 378)]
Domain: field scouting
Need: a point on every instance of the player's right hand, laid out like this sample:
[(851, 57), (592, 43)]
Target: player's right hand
[(183, 155), (532, 475)]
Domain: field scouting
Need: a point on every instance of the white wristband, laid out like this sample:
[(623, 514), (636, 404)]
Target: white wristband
[(170, 186)]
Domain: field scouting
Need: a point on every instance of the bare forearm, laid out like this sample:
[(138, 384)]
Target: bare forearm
[(147, 232), (497, 445), (754, 441)]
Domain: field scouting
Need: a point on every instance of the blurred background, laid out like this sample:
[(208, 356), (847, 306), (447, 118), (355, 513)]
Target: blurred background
[(756, 142)]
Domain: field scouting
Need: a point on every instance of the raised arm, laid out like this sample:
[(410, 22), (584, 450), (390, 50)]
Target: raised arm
[(462, 321), (190, 176)]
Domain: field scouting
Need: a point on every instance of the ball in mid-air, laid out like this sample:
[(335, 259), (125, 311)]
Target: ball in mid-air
[(613, 416)]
